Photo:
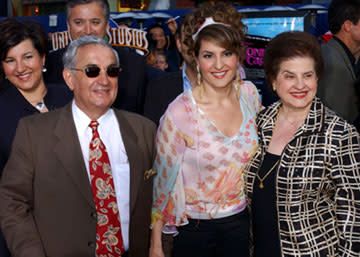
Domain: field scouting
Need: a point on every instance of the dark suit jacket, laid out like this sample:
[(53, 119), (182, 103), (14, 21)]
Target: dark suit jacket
[(132, 79), (46, 203), (337, 87), (13, 106), (160, 93)]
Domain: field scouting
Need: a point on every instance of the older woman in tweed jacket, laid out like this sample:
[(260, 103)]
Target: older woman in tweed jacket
[(303, 184)]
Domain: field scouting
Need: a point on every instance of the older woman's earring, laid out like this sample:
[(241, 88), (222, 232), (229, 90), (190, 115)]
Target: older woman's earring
[(44, 69), (274, 88)]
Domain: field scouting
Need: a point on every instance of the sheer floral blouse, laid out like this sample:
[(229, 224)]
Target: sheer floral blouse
[(200, 171)]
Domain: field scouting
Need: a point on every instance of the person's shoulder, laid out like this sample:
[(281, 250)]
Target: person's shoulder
[(10, 97), (268, 113), (251, 94), (332, 47), (6, 89), (335, 122), (248, 87), (182, 105), (57, 87), (41, 125), (125, 53), (332, 124)]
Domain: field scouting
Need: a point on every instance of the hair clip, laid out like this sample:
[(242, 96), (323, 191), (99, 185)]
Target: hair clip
[(208, 21)]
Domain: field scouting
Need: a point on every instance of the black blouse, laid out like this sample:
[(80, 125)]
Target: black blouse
[(264, 213)]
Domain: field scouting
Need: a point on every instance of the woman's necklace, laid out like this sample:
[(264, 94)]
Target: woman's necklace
[(261, 185), (40, 106)]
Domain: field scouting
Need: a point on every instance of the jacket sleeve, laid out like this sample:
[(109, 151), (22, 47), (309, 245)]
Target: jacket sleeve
[(16, 198), (346, 175)]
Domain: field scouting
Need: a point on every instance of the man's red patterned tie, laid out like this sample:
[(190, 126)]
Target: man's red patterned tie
[(109, 241)]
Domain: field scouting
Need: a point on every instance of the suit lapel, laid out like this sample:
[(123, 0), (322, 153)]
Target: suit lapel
[(68, 152), (133, 151)]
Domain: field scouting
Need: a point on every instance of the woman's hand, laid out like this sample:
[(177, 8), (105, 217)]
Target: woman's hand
[(155, 243), (172, 25)]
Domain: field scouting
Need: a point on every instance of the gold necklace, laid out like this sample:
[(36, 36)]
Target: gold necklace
[(261, 185)]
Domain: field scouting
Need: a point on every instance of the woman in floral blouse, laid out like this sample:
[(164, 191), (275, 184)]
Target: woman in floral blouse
[(205, 138), (304, 181)]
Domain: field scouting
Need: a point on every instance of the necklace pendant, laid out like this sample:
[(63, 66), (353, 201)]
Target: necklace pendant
[(261, 185), (40, 106)]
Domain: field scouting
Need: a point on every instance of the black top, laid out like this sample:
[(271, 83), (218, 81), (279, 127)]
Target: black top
[(264, 213), (13, 106)]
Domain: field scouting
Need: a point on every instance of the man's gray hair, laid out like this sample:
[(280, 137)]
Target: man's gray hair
[(72, 3), (69, 57)]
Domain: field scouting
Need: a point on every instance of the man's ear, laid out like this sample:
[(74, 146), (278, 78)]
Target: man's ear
[(107, 26), (347, 26), (68, 77), (178, 44)]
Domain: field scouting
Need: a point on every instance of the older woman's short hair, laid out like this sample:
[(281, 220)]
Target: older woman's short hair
[(69, 57), (289, 45)]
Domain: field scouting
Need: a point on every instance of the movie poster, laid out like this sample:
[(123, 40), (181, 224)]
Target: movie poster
[(260, 32)]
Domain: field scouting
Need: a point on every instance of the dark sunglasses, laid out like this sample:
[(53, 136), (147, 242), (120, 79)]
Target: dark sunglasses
[(92, 71)]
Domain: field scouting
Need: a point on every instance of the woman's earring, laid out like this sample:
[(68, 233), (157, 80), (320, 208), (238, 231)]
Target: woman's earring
[(198, 75), (201, 90), (44, 69), (237, 79), (274, 88), (237, 82)]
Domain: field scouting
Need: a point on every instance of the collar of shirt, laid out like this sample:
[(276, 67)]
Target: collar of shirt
[(347, 51), (82, 121), (186, 81), (107, 125)]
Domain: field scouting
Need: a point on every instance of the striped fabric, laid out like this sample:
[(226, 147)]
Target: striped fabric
[(317, 184)]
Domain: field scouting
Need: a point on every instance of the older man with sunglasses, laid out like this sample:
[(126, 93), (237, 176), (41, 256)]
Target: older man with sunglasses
[(78, 181)]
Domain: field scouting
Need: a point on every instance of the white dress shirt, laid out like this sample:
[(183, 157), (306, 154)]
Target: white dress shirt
[(109, 131)]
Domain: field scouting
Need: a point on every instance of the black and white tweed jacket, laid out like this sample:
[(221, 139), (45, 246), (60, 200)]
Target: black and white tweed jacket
[(317, 184)]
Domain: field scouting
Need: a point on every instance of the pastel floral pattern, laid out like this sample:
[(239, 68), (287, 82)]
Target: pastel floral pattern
[(108, 232), (200, 171)]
